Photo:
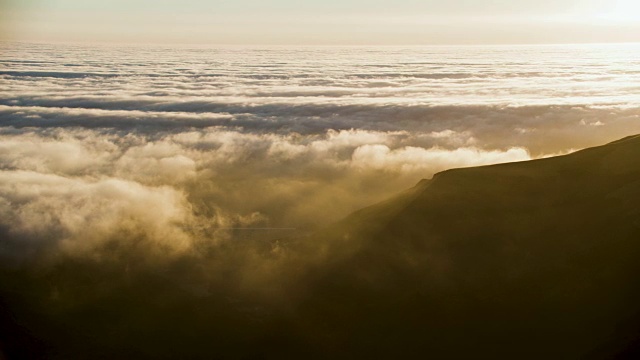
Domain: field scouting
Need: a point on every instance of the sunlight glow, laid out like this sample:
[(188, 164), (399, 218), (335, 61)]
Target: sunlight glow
[(621, 12)]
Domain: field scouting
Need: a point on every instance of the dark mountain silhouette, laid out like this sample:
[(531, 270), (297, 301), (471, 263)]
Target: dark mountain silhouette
[(536, 259), (529, 260)]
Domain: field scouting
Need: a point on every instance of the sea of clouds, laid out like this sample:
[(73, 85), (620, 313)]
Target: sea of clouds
[(180, 147)]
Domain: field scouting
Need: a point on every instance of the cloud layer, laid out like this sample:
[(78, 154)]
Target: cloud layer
[(198, 146)]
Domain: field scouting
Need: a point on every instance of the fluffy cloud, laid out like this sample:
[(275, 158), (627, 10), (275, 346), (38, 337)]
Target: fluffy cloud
[(89, 186), (82, 215), (414, 159)]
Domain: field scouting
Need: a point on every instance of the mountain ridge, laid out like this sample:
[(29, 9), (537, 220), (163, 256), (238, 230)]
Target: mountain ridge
[(545, 249)]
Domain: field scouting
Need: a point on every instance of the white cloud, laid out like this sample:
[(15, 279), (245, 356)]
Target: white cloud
[(81, 215), (414, 159)]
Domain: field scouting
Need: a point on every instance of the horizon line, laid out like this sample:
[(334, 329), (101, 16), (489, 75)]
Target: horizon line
[(205, 44)]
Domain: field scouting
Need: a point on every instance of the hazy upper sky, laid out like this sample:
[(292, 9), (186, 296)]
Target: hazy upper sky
[(322, 22)]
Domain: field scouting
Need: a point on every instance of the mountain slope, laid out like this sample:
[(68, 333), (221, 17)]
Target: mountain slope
[(535, 259)]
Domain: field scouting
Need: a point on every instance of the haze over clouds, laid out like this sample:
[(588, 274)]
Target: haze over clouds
[(323, 22)]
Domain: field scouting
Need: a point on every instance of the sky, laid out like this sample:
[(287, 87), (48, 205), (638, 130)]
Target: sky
[(327, 22)]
